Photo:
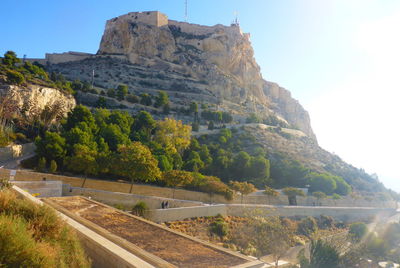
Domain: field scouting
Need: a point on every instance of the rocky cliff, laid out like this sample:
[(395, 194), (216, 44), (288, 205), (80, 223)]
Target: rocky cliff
[(214, 64), (33, 99)]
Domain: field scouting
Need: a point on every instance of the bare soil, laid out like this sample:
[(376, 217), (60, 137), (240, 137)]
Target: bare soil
[(173, 248)]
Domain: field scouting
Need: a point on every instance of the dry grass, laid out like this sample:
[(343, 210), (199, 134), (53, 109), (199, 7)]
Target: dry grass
[(173, 248), (37, 236)]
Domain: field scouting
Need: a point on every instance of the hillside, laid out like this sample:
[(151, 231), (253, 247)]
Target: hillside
[(213, 65), (205, 76)]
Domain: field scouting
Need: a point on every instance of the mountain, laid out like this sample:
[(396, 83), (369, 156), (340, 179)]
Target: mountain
[(213, 66)]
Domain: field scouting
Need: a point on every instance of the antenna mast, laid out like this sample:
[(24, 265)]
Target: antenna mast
[(235, 22), (186, 10)]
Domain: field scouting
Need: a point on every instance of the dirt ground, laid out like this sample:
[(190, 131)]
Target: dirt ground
[(169, 246)]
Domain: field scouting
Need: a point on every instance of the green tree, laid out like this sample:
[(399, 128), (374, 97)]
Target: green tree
[(161, 99), (292, 193), (335, 197), (111, 93), (15, 77), (164, 163), (270, 236), (321, 183), (194, 163), (307, 226), (195, 126), (51, 146), (83, 161), (322, 254), (240, 166), (319, 196), (193, 108), (113, 136), (121, 92), (270, 193), (253, 118), (213, 185), (53, 166), (145, 99), (227, 117), (259, 167), (219, 227), (358, 230), (122, 119), (140, 209), (342, 187), (10, 59), (132, 98), (101, 102), (136, 162), (177, 178), (173, 135), (143, 127), (80, 114), (41, 164), (211, 125), (244, 188)]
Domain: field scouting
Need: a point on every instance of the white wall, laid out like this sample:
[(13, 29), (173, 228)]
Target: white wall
[(339, 213), (126, 200)]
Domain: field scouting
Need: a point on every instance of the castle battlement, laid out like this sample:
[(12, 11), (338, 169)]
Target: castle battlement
[(154, 18)]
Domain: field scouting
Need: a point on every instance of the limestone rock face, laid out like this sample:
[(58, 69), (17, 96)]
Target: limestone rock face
[(289, 108), (213, 64), (221, 55), (34, 99)]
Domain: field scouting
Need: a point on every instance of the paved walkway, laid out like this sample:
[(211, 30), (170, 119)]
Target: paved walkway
[(14, 164)]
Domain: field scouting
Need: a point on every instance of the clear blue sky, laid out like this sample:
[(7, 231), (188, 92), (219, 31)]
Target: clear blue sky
[(339, 58)]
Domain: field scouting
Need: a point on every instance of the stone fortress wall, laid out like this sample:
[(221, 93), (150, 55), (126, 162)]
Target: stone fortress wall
[(55, 58), (154, 18)]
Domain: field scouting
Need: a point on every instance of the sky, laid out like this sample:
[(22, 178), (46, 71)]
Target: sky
[(339, 58)]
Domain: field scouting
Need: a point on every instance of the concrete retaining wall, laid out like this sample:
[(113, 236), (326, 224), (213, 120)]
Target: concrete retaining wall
[(181, 194), (345, 201), (126, 200), (101, 251), (15, 151), (122, 187), (347, 214), (173, 214), (41, 188)]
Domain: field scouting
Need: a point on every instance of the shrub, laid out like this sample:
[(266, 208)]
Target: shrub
[(41, 166), (21, 138), (195, 126), (219, 228), (19, 249), (326, 222), (30, 163), (14, 77), (34, 236), (289, 224), (4, 183), (307, 226), (322, 254), (53, 166), (132, 98), (140, 209), (358, 230)]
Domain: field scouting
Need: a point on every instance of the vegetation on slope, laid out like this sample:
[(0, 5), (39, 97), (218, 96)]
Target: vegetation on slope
[(34, 236), (108, 143)]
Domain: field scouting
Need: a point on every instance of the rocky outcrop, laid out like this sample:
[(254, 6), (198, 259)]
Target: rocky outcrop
[(33, 99), (214, 64), (289, 108)]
